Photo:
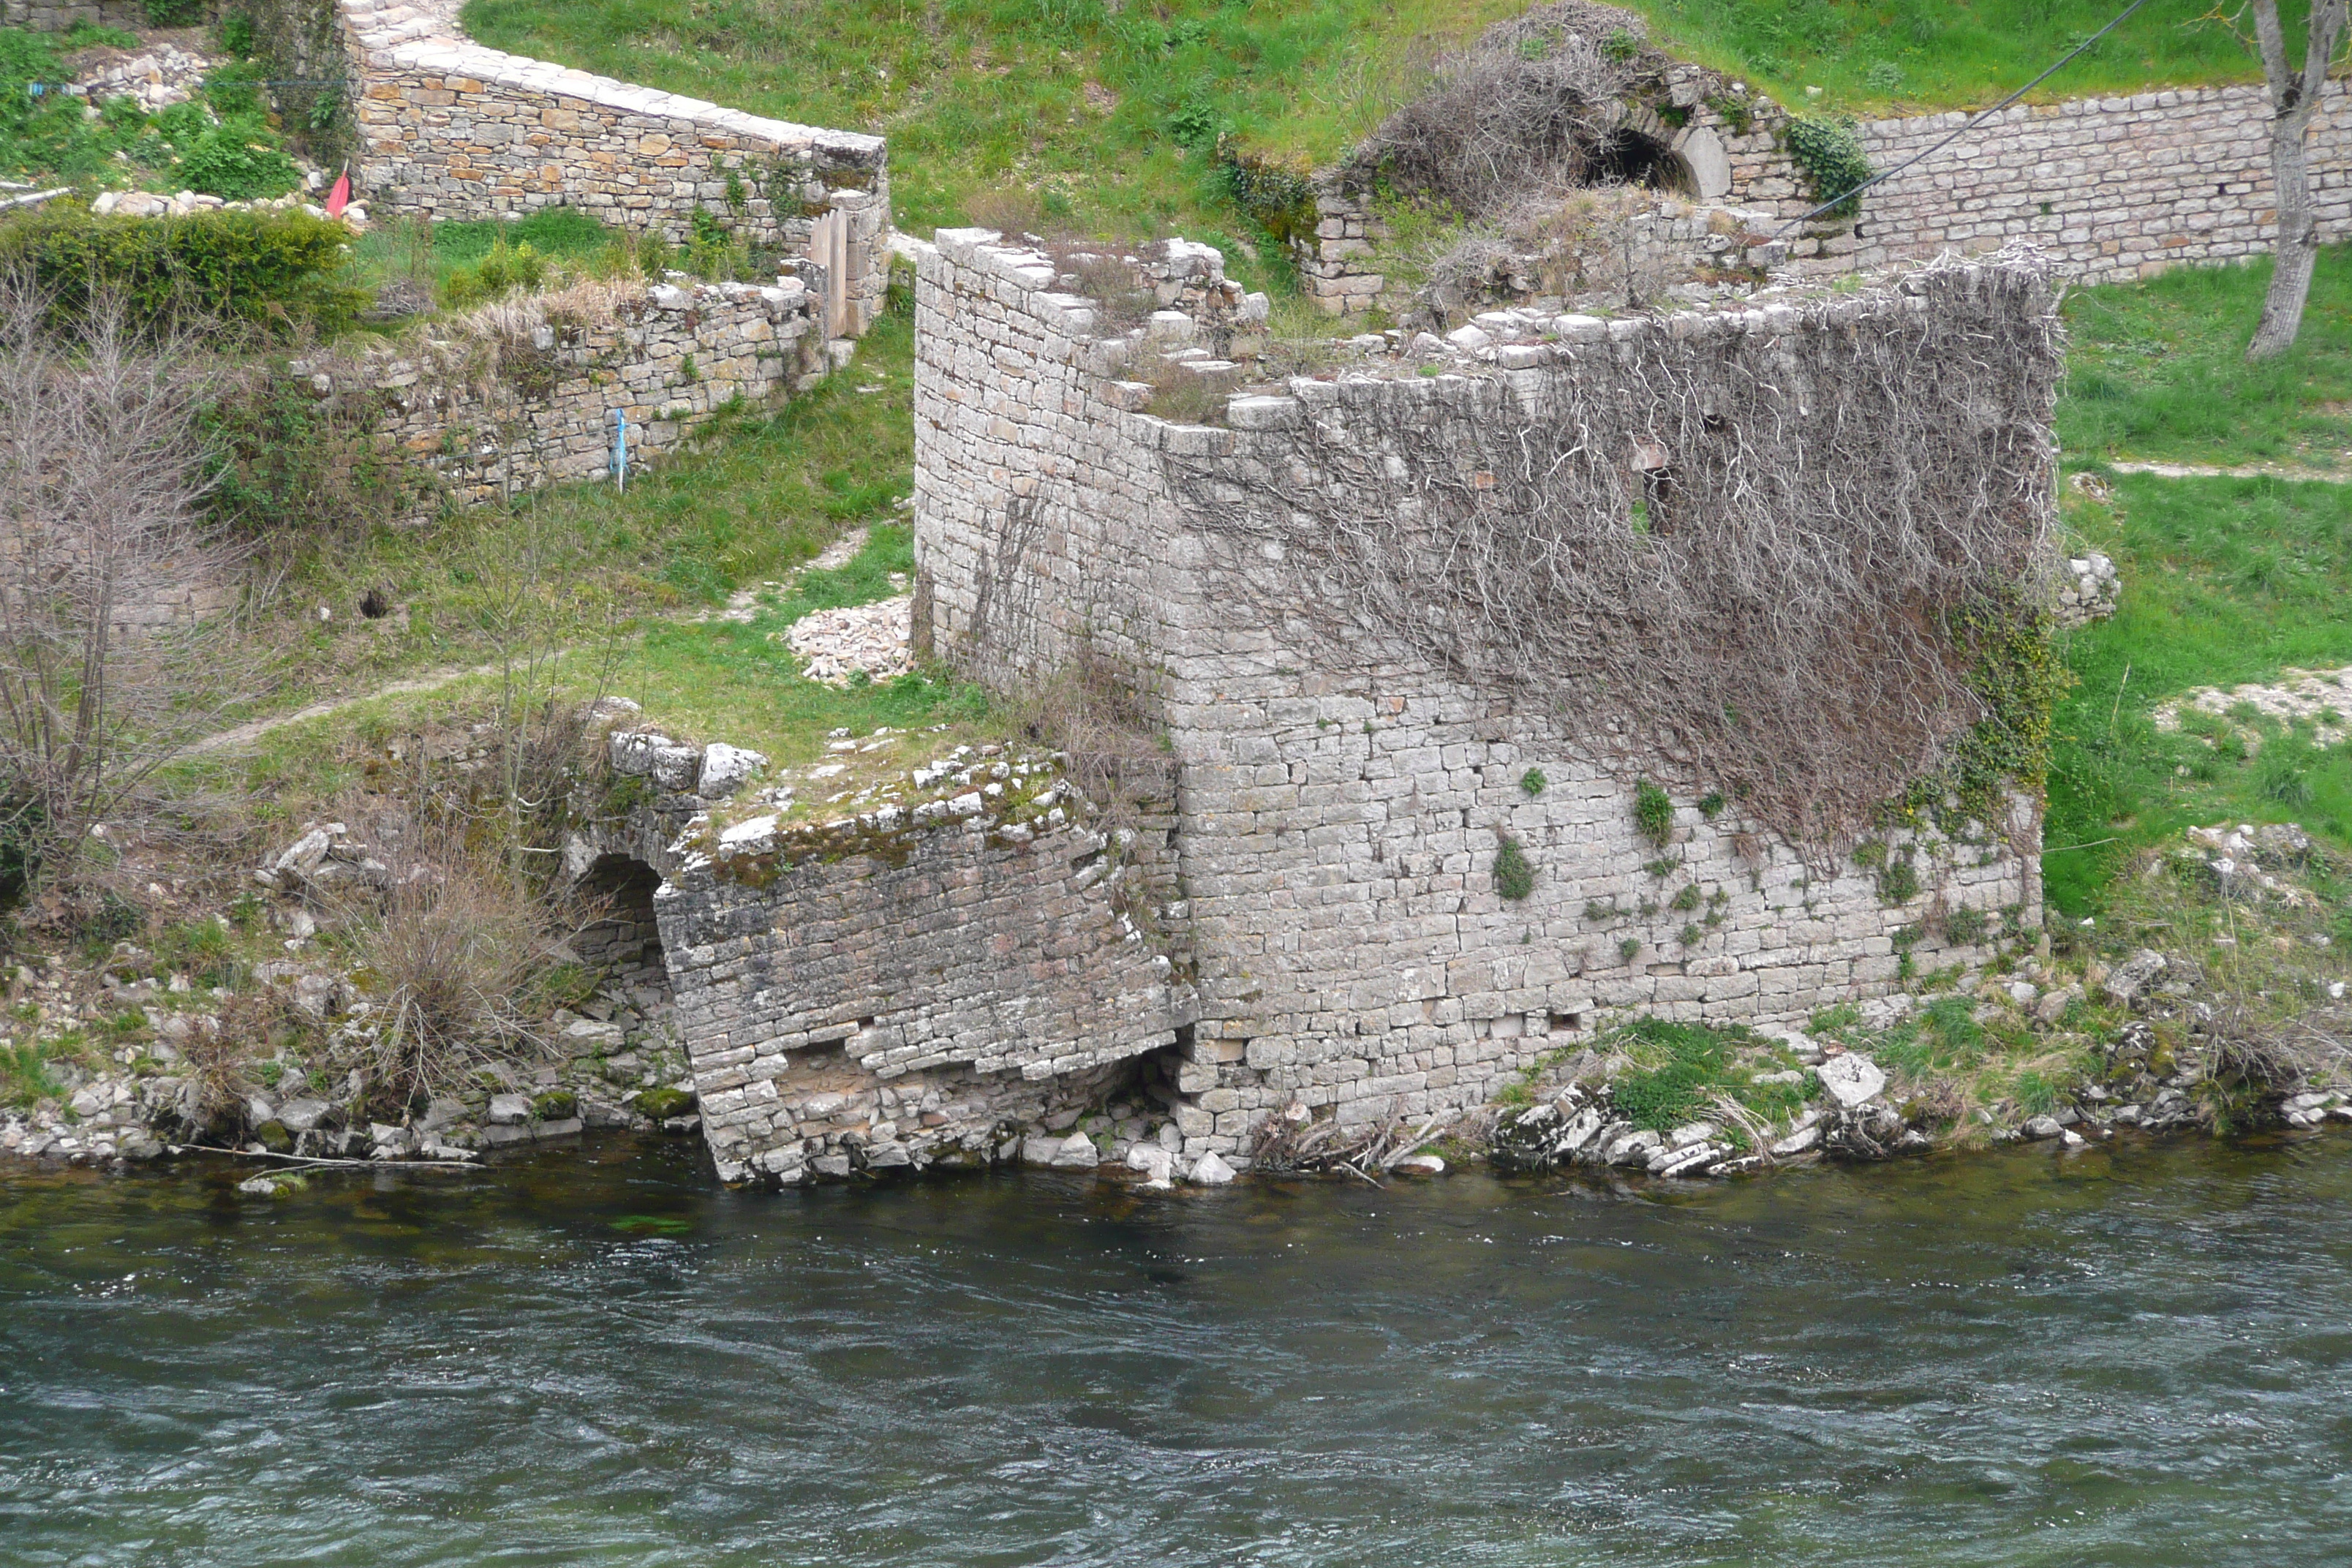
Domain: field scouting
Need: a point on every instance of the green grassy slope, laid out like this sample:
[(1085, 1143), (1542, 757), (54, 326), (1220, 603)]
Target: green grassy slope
[(1104, 117), (2225, 580), (1880, 56)]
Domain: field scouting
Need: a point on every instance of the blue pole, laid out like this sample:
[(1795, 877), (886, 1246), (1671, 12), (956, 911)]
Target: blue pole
[(620, 451)]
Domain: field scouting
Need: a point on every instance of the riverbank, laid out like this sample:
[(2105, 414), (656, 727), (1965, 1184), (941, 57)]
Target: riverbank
[(2239, 1024)]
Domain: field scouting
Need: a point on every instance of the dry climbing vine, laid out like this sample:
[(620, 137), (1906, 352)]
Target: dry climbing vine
[(1746, 558)]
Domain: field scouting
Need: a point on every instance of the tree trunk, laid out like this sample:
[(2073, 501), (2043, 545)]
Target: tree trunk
[(2294, 99)]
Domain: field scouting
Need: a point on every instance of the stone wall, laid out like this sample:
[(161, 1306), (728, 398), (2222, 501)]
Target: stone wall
[(522, 395), (453, 130), (2110, 188), (1338, 823), (939, 979), (60, 16)]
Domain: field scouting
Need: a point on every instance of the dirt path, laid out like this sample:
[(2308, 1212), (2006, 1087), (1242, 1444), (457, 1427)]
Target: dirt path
[(742, 607), (2207, 471), (245, 735)]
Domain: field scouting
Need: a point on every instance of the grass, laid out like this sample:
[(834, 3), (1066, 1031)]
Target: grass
[(2226, 581), (764, 493), (1105, 120), (1907, 56), (2157, 370), (1675, 1071)]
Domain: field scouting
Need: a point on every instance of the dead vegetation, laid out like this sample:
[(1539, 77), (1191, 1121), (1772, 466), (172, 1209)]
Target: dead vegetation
[(1764, 560), (115, 652), (1537, 102)]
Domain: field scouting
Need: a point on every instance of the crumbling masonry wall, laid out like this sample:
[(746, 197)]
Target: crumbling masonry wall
[(492, 418), (1339, 818), (2111, 189), (451, 129), (922, 983)]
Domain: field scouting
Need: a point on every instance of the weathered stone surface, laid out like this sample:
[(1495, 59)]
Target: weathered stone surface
[(1851, 1078)]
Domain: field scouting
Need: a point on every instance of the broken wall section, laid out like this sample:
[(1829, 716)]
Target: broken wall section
[(932, 982), (522, 395)]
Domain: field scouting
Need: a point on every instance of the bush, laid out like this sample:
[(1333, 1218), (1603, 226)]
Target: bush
[(457, 961), (226, 164), (279, 267), (282, 465), (1832, 158), (506, 269)]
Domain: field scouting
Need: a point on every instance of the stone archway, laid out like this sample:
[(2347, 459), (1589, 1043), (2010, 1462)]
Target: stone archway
[(624, 941)]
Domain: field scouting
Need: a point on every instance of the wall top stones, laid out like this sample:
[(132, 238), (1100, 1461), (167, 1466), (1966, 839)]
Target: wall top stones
[(427, 38)]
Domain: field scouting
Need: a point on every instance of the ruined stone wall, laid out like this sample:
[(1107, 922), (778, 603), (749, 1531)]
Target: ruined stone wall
[(936, 979), (2110, 188), (522, 395), (454, 130), (1337, 821)]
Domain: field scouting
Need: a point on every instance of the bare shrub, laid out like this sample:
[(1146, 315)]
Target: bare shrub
[(458, 958), (114, 652), (1536, 102), (1764, 561)]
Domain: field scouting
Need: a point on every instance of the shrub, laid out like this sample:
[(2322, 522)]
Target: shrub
[(279, 267), (280, 464), (1514, 877), (226, 164), (456, 958), (1899, 883), (1654, 812), (1830, 157), (1533, 781), (504, 269)]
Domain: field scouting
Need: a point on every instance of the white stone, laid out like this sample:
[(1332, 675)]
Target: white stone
[(1851, 1078), (1209, 1171)]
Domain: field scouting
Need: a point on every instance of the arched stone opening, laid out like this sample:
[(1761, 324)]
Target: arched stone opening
[(624, 941), (1632, 158)]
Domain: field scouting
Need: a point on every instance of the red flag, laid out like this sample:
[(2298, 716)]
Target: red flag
[(341, 196)]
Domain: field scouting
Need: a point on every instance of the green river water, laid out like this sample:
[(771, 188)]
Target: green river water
[(595, 1356)]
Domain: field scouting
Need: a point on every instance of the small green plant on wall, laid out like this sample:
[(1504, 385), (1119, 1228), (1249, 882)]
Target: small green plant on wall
[(1514, 877), (1654, 812)]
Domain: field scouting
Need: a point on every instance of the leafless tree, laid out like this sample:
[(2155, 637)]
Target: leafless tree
[(109, 664), (2295, 93)]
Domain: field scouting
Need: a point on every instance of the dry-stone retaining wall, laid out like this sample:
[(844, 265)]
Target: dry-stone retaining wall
[(1338, 829), (523, 395), (450, 128), (61, 15)]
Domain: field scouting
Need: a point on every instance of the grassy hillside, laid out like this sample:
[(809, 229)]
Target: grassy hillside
[(1876, 56), (2225, 580), (1103, 118)]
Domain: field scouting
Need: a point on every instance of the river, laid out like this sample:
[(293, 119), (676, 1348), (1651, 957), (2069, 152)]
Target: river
[(594, 1355)]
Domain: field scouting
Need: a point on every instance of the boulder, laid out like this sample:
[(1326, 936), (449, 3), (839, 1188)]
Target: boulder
[(1420, 1165), (1851, 1078), (508, 1111), (1211, 1171), (725, 769), (2128, 979), (1075, 1153)]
